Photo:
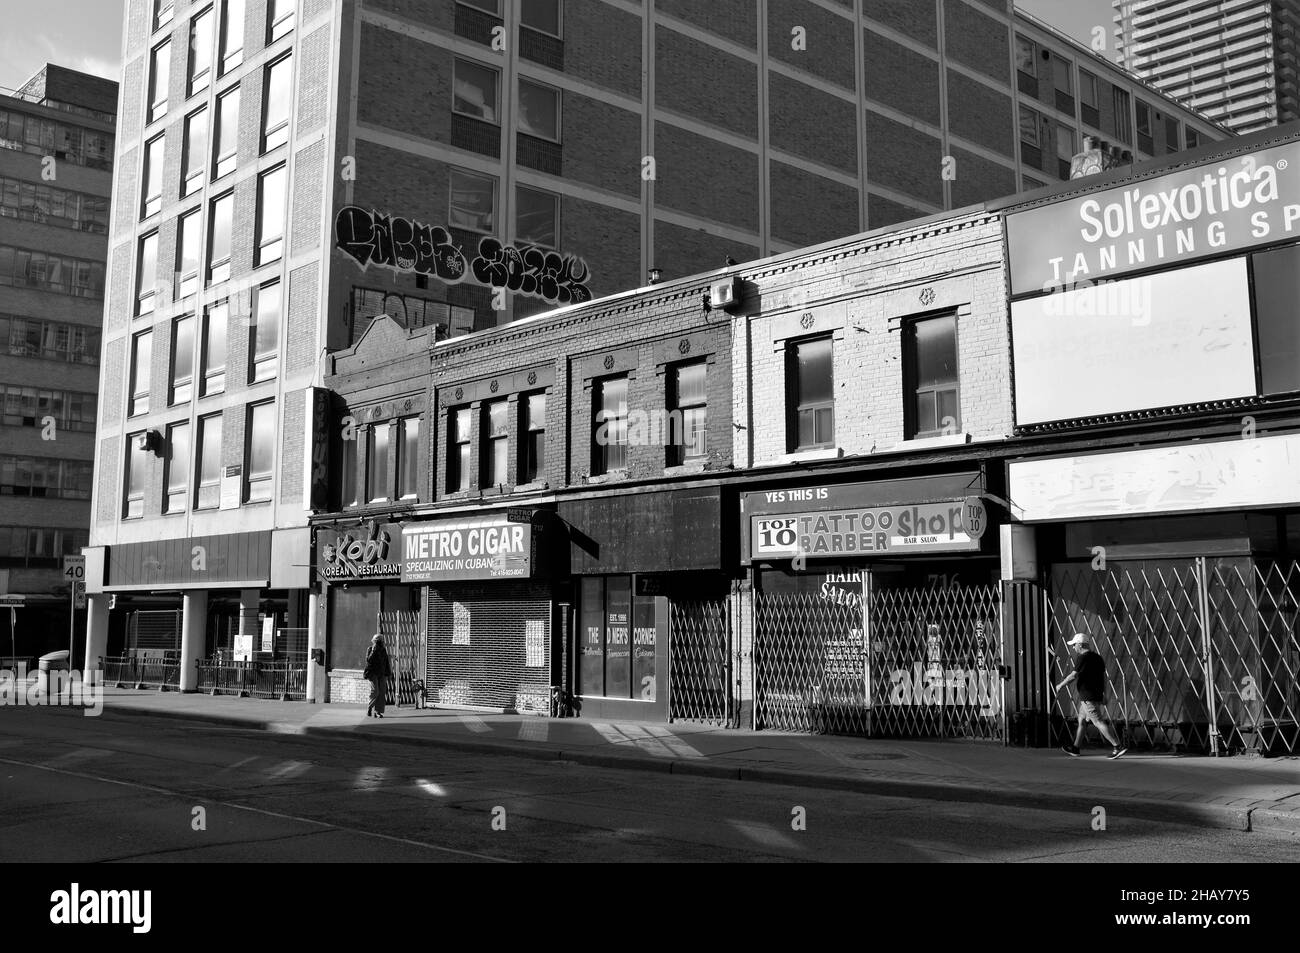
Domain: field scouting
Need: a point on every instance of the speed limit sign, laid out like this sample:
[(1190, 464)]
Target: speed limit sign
[(74, 568)]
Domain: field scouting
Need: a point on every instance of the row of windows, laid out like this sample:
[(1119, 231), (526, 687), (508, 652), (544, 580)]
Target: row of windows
[(476, 92), (392, 465), (53, 206), (540, 15), (39, 548), (197, 482), (24, 268), (209, 47), (46, 137), (30, 406), (211, 341), (494, 444), (51, 340), (196, 158), (272, 198), (46, 477), (473, 206)]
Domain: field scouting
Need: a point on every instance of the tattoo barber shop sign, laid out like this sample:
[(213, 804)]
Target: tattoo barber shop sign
[(407, 246)]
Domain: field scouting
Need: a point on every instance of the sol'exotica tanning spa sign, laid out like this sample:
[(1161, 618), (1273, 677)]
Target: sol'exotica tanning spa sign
[(1225, 206), (488, 547)]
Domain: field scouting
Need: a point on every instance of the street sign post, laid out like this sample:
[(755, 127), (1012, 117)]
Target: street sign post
[(74, 570), (13, 604)]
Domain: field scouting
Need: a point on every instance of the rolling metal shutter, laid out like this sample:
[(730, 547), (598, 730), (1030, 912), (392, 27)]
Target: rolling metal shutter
[(489, 646)]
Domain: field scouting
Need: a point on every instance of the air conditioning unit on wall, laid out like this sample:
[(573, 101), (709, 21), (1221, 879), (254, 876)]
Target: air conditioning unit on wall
[(725, 294)]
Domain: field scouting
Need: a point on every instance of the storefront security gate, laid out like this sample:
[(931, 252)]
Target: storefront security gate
[(701, 663), (401, 632), (892, 662), (1201, 654)]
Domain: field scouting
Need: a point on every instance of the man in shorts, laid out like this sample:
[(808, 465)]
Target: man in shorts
[(1089, 676)]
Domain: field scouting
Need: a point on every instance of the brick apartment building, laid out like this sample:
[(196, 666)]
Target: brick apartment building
[(56, 162), (287, 169)]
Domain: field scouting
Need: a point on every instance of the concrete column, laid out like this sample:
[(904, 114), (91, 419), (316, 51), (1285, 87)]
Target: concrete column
[(96, 636), (194, 629), (316, 616), (248, 600)]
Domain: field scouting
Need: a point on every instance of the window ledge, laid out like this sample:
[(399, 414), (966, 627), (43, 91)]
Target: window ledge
[(924, 443), (617, 476), (685, 468), (807, 456), (534, 487)]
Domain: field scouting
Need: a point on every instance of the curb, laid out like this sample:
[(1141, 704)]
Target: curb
[(1171, 812)]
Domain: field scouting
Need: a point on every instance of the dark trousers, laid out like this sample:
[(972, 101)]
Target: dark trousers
[(378, 689)]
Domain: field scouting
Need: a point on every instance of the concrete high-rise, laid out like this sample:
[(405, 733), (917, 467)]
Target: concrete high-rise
[(1233, 61)]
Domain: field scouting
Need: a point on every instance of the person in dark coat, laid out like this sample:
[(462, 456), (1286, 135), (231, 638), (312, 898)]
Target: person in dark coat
[(376, 672)]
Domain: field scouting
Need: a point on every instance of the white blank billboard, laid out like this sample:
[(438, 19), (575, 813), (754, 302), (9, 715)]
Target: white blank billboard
[(1178, 337)]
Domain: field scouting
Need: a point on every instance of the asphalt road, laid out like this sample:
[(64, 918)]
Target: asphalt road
[(130, 788)]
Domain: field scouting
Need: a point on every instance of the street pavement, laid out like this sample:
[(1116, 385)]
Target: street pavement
[(1235, 793)]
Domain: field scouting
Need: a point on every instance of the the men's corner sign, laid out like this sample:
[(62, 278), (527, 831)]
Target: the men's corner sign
[(488, 547), (954, 526), (405, 245), (1194, 213)]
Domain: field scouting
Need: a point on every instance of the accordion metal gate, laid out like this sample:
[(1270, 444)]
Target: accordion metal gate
[(401, 632), (489, 646), (1201, 653), (894, 662), (701, 663)]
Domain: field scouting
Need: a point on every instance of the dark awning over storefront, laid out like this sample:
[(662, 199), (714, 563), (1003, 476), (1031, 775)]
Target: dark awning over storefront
[(661, 531), (232, 561)]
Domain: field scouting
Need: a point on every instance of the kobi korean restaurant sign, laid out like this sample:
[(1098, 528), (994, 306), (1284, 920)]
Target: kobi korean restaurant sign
[(489, 547), (1227, 206), (920, 528), (364, 552)]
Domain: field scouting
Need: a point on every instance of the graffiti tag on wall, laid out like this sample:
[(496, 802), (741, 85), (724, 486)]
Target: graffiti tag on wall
[(405, 245)]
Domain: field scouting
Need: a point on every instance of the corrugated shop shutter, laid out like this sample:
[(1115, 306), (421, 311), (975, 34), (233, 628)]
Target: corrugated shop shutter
[(489, 646)]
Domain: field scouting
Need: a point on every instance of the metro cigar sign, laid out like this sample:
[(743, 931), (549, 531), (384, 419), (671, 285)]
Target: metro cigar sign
[(477, 548), (1226, 206)]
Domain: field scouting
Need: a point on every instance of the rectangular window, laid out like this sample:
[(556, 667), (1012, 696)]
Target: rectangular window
[(810, 392), (1172, 138), (146, 276), (474, 91), (408, 462), (541, 15), (1064, 150), (209, 459), (1193, 138), (260, 452), (1146, 142), (141, 350), (537, 217), (495, 437), (137, 474), (1063, 80), (687, 413), (266, 334), (159, 65), (182, 384), (271, 194), (458, 449), (609, 426), (1026, 56), (214, 348), (377, 463), (472, 204), (162, 13), (152, 177), (232, 35), (539, 110), (591, 663), (219, 237), (618, 641), (200, 66), (532, 439), (279, 18), (1276, 282), (194, 158), (1123, 131), (188, 238), (177, 476), (933, 407), (227, 137), (277, 95), (1088, 102), (1029, 127), (348, 476)]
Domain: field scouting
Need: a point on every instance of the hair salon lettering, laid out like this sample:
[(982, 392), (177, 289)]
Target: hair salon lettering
[(403, 245)]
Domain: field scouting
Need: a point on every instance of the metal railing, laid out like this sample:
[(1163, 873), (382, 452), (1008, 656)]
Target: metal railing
[(280, 679), (161, 672)]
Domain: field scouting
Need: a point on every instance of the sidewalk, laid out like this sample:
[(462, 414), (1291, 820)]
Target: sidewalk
[(1246, 794)]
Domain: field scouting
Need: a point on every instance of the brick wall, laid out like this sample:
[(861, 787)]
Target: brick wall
[(978, 178), (602, 144), (904, 159), (829, 53), (610, 56), (348, 688), (300, 330), (108, 465), (726, 190), (313, 80), (899, 77), (706, 83), (810, 123), (734, 20), (308, 198), (976, 40), (914, 20), (981, 115), (809, 208), (292, 447)]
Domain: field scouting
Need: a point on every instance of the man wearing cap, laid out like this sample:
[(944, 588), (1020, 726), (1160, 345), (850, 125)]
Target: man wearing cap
[(1089, 676)]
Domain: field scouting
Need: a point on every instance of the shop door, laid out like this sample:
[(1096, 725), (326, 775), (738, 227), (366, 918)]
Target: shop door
[(401, 632), (1201, 654), (700, 663)]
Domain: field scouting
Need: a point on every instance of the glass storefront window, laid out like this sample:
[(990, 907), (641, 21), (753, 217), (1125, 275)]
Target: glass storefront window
[(617, 641)]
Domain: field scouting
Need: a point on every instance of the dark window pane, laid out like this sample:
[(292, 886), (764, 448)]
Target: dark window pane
[(591, 666), (1277, 289), (936, 351), (814, 369), (618, 649)]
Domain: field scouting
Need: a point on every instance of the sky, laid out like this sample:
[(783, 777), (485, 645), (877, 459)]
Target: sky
[(87, 34)]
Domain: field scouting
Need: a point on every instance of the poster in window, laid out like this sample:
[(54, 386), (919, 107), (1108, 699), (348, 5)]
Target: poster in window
[(591, 671), (459, 623), (535, 643), (618, 637), (643, 648)]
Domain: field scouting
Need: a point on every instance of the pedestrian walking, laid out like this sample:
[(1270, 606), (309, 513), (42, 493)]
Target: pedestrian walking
[(376, 672), (1089, 677)]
